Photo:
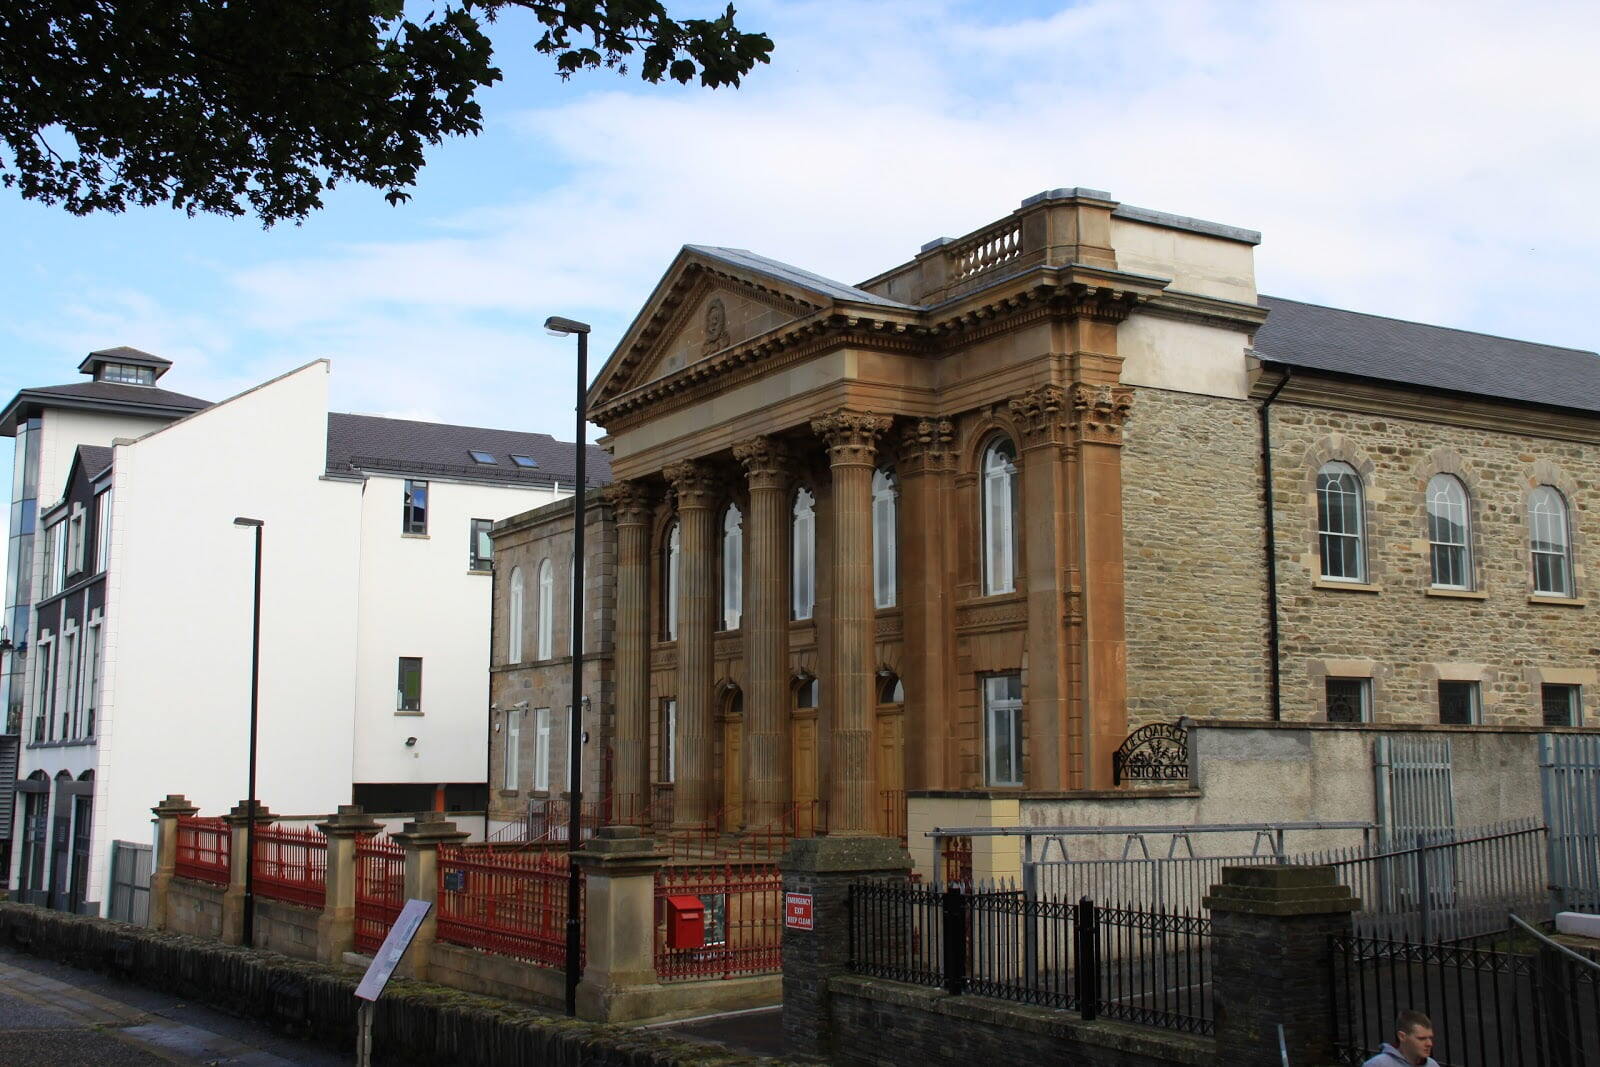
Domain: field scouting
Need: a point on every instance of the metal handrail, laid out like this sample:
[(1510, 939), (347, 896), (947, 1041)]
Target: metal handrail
[(1197, 828), (1548, 942)]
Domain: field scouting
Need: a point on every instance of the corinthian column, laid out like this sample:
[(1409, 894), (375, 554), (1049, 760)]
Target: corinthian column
[(696, 489), (852, 439), (766, 628), (630, 502)]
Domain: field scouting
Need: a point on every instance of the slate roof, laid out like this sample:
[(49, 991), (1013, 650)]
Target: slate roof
[(95, 459), (1434, 357), (125, 354), (116, 396), (744, 259), (372, 441)]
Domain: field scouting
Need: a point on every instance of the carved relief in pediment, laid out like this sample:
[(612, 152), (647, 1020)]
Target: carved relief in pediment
[(716, 319)]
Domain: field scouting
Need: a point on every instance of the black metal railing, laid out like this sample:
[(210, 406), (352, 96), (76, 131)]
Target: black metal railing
[(1525, 1000), (1151, 968)]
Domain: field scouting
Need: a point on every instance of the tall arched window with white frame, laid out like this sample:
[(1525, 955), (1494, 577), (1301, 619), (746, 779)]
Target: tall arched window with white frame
[(999, 517), (671, 556), (1449, 530), (547, 606), (885, 536), (1341, 529), (514, 621), (1550, 542), (732, 567), (803, 550)]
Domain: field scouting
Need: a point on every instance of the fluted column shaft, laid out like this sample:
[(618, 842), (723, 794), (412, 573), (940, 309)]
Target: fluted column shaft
[(852, 439), (697, 594), (630, 740), (766, 629)]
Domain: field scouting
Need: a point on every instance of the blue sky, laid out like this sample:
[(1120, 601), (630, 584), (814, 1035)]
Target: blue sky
[(1426, 160)]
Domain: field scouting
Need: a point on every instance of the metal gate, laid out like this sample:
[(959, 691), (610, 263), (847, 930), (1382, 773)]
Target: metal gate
[(1414, 789), (1569, 774), (130, 882)]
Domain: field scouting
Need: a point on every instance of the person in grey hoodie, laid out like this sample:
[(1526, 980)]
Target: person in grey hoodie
[(1413, 1043)]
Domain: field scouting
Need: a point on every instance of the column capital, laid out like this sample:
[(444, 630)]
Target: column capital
[(351, 820), (851, 436), (767, 462), (928, 446), (1041, 415), (241, 814), (630, 500), (694, 481), (1099, 412), (429, 828), (175, 805)]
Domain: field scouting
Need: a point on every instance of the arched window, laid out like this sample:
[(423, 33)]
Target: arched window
[(890, 689), (670, 557), (806, 691), (1549, 542), (547, 581), (514, 622), (1340, 523), (732, 567), (1449, 524), (885, 532), (999, 517), (803, 588)]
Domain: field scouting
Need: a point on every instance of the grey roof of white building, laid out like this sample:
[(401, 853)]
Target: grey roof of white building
[(1316, 338), (375, 442)]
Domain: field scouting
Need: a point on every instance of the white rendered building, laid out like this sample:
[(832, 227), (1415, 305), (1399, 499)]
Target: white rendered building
[(376, 588)]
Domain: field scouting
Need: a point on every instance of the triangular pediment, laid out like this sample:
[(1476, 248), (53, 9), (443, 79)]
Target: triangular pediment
[(711, 300)]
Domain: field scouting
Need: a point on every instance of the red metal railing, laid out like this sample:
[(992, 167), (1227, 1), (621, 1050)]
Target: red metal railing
[(955, 861), (509, 903), (203, 849), (292, 864), (380, 889), (894, 813), (715, 841), (743, 920)]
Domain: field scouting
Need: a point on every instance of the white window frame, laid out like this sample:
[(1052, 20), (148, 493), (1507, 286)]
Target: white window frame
[(103, 530), (515, 618), (1548, 517), (541, 750), (513, 754), (669, 743), (1475, 706), (732, 567), (71, 679), (885, 538), (803, 553), (672, 560), (999, 517), (92, 682), (1002, 728), (44, 689), (1449, 504), (547, 599), (1364, 685), (77, 538), (1338, 482), (55, 558)]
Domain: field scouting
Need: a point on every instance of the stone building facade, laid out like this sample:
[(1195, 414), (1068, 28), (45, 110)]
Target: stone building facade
[(968, 524)]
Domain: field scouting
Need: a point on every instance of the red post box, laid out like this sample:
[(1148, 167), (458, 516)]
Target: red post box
[(686, 922)]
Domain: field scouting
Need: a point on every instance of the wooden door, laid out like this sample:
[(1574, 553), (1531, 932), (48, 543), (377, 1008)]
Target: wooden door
[(891, 769), (803, 768), (732, 772)]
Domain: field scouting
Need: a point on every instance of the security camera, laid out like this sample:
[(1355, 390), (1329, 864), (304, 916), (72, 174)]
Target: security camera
[(411, 742)]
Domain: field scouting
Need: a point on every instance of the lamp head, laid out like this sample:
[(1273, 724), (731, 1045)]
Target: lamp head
[(242, 521), (557, 326)]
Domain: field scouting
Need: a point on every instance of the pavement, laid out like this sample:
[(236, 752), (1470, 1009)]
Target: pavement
[(758, 1031), (53, 1015)]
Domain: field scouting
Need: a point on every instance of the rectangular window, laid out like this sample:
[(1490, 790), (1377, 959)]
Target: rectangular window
[(43, 702), (415, 518), (1002, 703), (1458, 703), (1562, 705), (102, 548), (481, 551), (69, 669), (1349, 699), (127, 374), (92, 685), (669, 735), (75, 540), (55, 558), (541, 749), (410, 688), (513, 748)]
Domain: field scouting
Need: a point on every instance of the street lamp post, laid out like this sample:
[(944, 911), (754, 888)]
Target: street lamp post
[(255, 705), (562, 327)]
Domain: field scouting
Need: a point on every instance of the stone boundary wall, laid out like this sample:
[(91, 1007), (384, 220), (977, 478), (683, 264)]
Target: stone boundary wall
[(877, 1022), (287, 928), (416, 1022), (196, 908)]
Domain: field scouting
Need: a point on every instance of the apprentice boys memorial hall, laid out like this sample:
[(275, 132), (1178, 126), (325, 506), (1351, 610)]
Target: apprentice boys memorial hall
[(968, 524)]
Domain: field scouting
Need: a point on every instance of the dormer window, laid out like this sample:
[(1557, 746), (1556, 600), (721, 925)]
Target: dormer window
[(523, 461), (480, 456), (126, 374)]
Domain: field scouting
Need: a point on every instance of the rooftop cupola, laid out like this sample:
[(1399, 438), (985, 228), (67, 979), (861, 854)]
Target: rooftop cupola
[(124, 365)]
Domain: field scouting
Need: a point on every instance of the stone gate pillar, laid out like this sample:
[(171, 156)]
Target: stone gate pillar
[(619, 866), (852, 438), (233, 900), (421, 838), (336, 929), (167, 814), (766, 628)]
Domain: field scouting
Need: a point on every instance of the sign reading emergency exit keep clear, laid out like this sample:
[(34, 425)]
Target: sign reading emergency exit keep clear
[(797, 911)]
